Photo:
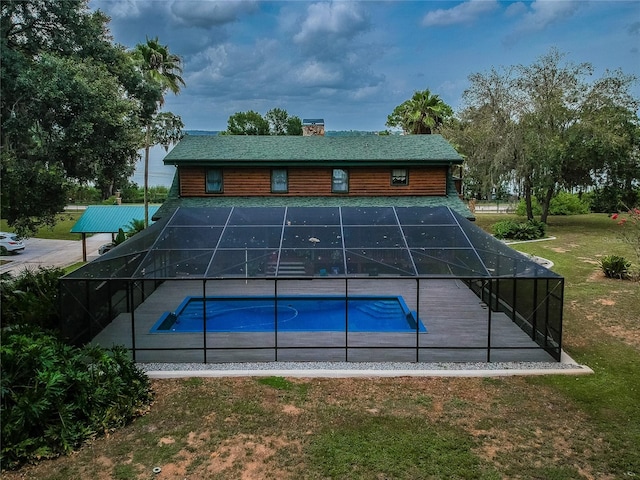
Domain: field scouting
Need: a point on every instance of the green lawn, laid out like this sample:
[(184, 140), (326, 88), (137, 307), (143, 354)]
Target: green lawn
[(61, 231), (549, 427)]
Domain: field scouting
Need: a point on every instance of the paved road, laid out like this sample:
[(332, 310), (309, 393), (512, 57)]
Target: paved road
[(52, 253)]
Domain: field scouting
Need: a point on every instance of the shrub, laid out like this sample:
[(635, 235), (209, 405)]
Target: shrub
[(614, 266), (55, 396), (610, 198), (565, 203), (630, 228), (529, 230), (521, 209), (31, 297)]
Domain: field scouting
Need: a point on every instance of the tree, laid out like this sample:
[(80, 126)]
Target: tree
[(422, 114), (294, 125), (546, 128), (277, 119), (247, 123), (67, 110), (280, 123), (276, 122), (161, 70)]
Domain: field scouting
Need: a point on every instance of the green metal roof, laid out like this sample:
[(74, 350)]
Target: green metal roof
[(110, 218), (254, 150)]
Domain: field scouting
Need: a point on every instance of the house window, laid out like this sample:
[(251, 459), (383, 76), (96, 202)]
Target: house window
[(279, 181), (214, 180), (340, 181), (399, 176)]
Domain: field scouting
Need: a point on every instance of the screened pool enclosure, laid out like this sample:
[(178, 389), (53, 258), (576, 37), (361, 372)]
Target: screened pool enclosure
[(464, 295)]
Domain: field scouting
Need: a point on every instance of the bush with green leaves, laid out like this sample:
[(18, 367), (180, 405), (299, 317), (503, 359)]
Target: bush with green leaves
[(55, 397), (31, 297), (563, 203), (512, 230), (615, 266), (610, 198)]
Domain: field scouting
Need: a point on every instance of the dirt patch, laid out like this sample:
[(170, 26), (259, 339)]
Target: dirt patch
[(291, 410), (630, 336), (597, 275), (589, 260), (166, 441), (605, 301), (246, 457)]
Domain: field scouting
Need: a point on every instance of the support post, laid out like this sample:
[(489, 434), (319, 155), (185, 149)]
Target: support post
[(489, 322), (346, 319), (275, 316), (133, 323), (204, 319), (417, 319)]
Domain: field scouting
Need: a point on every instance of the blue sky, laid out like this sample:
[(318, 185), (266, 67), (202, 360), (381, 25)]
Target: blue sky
[(352, 63)]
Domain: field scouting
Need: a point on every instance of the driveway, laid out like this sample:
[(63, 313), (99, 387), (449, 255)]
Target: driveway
[(52, 253)]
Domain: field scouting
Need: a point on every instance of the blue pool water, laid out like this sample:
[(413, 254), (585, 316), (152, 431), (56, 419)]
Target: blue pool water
[(295, 314)]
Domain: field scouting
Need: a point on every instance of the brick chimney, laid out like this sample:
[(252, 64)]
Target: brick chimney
[(312, 127)]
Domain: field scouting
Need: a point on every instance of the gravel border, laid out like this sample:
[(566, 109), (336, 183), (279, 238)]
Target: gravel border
[(371, 369)]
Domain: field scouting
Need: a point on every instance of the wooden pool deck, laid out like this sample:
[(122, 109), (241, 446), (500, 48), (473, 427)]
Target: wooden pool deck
[(456, 320)]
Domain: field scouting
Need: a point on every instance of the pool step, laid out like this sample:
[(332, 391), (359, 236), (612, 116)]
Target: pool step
[(381, 308), (288, 268)]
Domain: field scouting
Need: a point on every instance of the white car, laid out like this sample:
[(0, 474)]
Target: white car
[(10, 243)]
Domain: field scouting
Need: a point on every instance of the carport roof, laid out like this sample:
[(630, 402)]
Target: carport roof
[(110, 218)]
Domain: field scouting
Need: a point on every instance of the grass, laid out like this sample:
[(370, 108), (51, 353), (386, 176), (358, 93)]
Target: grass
[(61, 230), (549, 427)]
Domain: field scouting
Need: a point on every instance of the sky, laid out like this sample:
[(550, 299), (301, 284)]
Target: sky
[(352, 62)]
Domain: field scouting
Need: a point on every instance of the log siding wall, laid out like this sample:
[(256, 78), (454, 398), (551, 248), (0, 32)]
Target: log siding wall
[(314, 181)]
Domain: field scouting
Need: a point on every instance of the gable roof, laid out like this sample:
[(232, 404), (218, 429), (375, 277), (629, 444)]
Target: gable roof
[(255, 150)]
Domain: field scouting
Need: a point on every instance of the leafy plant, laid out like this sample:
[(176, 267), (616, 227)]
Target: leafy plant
[(120, 237), (615, 266), (630, 228), (529, 230), (135, 226), (55, 396), (31, 297), (565, 203)]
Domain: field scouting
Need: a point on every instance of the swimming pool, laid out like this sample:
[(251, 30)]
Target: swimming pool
[(295, 314)]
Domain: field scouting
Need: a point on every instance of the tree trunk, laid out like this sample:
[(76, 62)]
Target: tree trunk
[(546, 204), (527, 198), (147, 140)]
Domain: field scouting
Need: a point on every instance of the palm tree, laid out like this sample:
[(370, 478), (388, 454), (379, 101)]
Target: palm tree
[(162, 69), (422, 114)]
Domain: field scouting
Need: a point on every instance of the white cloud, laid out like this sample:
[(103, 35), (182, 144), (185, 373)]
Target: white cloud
[(314, 73), (466, 12), (329, 21), (366, 92), (211, 13), (546, 12), (126, 9), (515, 9)]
